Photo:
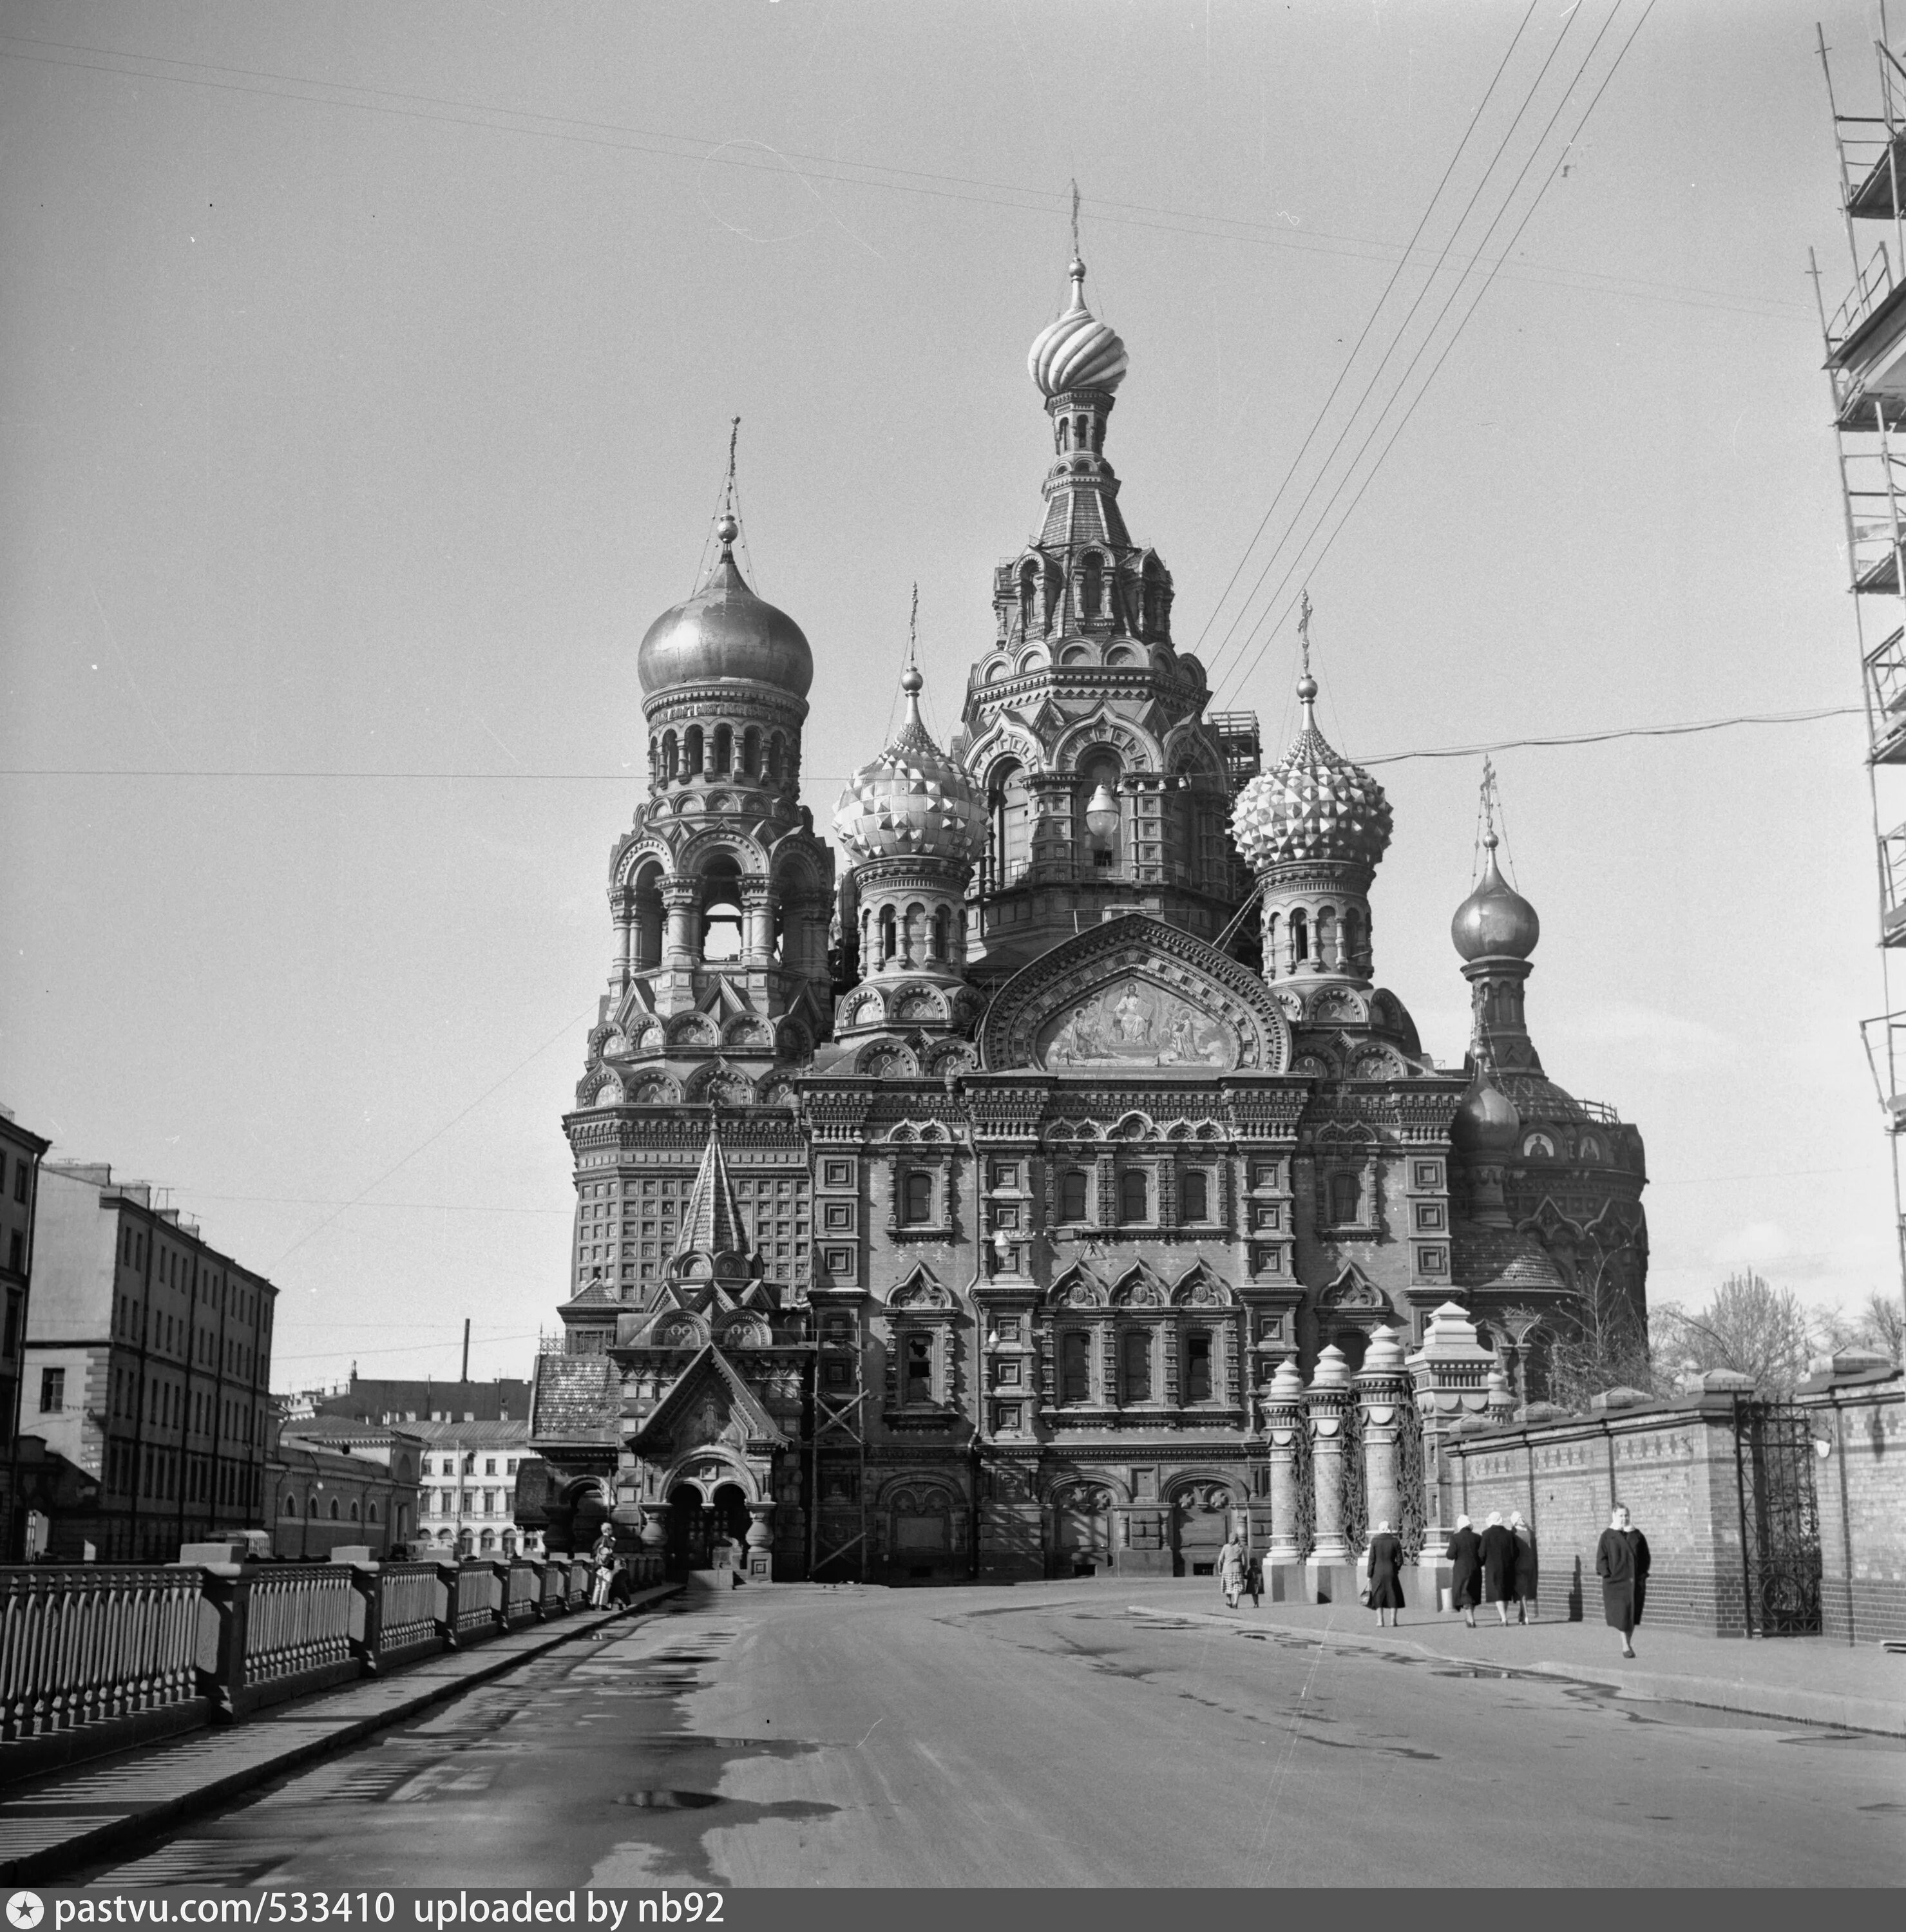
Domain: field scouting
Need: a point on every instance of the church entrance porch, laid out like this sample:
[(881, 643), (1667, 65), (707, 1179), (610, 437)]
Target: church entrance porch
[(1201, 1519), (1082, 1543)]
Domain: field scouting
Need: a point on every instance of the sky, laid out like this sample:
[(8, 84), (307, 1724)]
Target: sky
[(369, 379)]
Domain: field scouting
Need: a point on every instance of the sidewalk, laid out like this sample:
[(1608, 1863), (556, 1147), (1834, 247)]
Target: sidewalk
[(51, 1824), (1807, 1680)]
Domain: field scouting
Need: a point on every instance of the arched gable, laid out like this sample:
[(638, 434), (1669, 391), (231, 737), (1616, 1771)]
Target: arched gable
[(1135, 993)]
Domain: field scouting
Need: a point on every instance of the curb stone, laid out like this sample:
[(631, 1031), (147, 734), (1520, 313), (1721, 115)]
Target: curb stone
[(1824, 1708), (92, 1834)]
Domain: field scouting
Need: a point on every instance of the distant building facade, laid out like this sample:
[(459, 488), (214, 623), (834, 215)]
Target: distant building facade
[(467, 1498), (148, 1369), (21, 1152), (368, 1399), (333, 1474), (978, 1254)]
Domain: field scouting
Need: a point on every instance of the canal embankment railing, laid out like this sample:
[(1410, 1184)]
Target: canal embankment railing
[(97, 1658)]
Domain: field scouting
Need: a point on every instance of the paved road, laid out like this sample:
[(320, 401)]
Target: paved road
[(1046, 1735)]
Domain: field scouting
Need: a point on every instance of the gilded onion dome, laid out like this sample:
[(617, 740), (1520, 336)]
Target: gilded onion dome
[(913, 800), (1312, 805), (724, 632), (1495, 921), (1078, 351)]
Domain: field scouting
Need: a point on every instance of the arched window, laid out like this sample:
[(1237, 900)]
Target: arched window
[(1028, 591), (1196, 1204), (773, 767), (1273, 931), (1300, 937), (1065, 434), (724, 757), (311, 1508), (919, 1197), (354, 1512), (751, 752), (1092, 585), (1075, 1365), (1134, 1194), (942, 933), (371, 1512), (1355, 943), (1136, 1362), (1102, 769), (890, 935), (1009, 807), (691, 752), (291, 1505), (1072, 1195), (335, 1513), (721, 910)]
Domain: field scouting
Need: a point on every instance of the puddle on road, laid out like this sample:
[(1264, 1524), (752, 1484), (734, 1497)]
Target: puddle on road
[(668, 1801)]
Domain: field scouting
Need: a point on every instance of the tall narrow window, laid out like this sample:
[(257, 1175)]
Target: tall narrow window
[(1344, 1195), (919, 1197), (1075, 1366), (919, 1368), (1198, 1369), (1091, 588), (1300, 937), (52, 1391), (1197, 1196), (942, 933), (1072, 1195), (1134, 1196), (723, 744), (1137, 1364), (890, 935)]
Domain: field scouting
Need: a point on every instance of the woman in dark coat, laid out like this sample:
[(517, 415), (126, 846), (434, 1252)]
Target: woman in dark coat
[(1386, 1596), (1465, 1578), (1497, 1548), (1617, 1560), (1525, 1567)]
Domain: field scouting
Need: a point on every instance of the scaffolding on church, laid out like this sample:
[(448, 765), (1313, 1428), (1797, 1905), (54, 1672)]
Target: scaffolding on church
[(1865, 340), (837, 1454)]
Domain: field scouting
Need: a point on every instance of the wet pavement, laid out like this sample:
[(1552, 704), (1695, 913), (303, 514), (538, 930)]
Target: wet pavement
[(1046, 1734)]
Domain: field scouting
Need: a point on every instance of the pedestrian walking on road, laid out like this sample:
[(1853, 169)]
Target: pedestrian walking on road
[(1621, 1561), (1386, 1593), (604, 1557), (1497, 1548), (1465, 1578), (1254, 1579), (1231, 1569), (1524, 1567)]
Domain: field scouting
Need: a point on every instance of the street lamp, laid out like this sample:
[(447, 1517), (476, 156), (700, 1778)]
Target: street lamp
[(1101, 822)]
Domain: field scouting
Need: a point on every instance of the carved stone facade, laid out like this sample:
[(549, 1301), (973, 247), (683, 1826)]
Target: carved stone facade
[(1009, 1253)]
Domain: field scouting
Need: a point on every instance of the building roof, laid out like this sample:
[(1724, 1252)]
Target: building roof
[(578, 1399), (470, 1435), (293, 1458)]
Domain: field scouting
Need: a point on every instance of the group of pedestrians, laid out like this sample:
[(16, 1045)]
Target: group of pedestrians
[(1495, 1565)]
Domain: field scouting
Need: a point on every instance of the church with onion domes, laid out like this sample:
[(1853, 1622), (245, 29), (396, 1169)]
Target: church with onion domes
[(950, 1197)]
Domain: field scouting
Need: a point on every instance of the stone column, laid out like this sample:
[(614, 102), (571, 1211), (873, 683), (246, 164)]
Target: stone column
[(1331, 1575), (654, 1528), (1382, 1388), (623, 906), (1450, 1374), (1049, 846), (757, 923), (1284, 1418), (682, 899), (758, 1556)]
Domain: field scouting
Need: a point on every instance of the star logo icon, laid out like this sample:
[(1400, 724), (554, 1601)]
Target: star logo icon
[(25, 1911)]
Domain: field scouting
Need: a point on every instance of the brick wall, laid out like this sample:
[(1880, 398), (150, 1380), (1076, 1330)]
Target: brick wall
[(1861, 1482)]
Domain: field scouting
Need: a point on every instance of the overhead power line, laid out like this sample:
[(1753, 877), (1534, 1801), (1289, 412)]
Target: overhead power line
[(1620, 731)]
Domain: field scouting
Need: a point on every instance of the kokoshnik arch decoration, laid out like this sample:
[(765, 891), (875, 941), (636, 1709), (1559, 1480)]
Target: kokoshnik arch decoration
[(977, 1207)]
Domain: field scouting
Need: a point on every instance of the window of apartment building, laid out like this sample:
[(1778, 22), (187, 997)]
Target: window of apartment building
[(16, 1251), (509, 1467), (52, 1391), (12, 1342), (489, 1502), (470, 1502), (22, 1175), (489, 1466)]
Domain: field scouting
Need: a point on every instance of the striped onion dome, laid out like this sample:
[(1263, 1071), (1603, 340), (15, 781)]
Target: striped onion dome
[(913, 800), (1077, 352), (1312, 805)]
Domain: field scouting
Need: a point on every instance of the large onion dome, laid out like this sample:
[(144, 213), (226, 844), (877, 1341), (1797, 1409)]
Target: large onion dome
[(724, 631), (1486, 1122), (1312, 805), (1495, 920), (1077, 352), (913, 800)]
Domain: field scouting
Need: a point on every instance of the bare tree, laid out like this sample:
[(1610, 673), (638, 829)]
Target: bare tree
[(1603, 1345), (1878, 1323), (1749, 1327)]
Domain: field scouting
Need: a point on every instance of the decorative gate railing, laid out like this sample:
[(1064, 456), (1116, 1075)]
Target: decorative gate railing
[(1412, 1505), (1355, 1493), (1779, 1518), (1303, 1531)]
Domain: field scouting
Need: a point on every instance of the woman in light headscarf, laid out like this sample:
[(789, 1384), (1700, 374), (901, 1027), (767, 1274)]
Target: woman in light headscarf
[(1525, 1567), (1466, 1577), (1385, 1595), (1497, 1548), (1621, 1561), (1231, 1569)]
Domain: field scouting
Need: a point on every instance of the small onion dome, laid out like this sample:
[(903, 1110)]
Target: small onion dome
[(724, 631), (1495, 919), (1077, 352), (1312, 804), (913, 800), (1486, 1122)]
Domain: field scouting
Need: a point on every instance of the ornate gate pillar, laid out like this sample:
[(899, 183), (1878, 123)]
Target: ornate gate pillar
[(1382, 1388), (1330, 1574), (1450, 1373), (758, 1557), (1284, 1424)]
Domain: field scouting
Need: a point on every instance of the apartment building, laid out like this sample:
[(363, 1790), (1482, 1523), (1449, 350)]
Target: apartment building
[(20, 1154), (466, 1499)]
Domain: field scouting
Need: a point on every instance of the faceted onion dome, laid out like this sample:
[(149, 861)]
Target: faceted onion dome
[(1495, 919), (1487, 1122), (1312, 804), (1077, 352), (724, 631), (913, 800)]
